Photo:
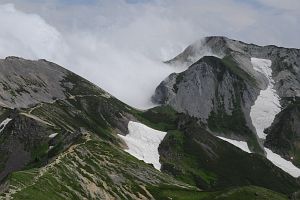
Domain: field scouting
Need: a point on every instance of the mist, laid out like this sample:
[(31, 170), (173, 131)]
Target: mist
[(121, 45)]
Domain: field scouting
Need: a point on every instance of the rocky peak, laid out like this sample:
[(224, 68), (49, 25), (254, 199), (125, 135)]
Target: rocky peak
[(200, 92), (25, 82)]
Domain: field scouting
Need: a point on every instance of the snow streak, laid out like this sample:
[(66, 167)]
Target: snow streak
[(267, 104), (4, 123), (240, 144)]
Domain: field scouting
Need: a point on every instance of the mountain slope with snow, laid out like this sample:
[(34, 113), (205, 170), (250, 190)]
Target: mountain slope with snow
[(262, 108), (284, 133), (271, 83), (267, 104), (218, 93), (68, 147), (276, 159), (69, 139)]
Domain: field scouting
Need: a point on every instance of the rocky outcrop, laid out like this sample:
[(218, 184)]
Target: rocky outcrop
[(217, 92), (200, 92), (22, 141), (209, 85), (24, 83)]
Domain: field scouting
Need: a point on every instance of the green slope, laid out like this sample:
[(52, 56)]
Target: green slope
[(244, 193), (89, 169), (193, 155)]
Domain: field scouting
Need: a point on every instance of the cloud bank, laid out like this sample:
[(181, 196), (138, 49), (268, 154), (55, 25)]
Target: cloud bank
[(120, 45), (27, 35)]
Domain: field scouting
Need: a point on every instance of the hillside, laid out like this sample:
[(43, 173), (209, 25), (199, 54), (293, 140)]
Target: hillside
[(62, 137)]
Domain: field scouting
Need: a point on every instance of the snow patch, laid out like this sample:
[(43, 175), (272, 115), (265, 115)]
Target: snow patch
[(283, 164), (53, 135), (143, 142), (267, 104), (4, 123), (240, 144)]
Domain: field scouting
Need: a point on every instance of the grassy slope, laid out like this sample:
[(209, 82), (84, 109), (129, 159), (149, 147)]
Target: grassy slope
[(91, 169), (194, 156), (95, 167), (245, 193)]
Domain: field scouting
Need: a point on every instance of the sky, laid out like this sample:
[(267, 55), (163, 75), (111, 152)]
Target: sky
[(120, 44)]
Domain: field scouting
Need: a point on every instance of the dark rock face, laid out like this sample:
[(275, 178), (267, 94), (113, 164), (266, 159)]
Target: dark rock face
[(207, 86), (20, 138), (284, 134)]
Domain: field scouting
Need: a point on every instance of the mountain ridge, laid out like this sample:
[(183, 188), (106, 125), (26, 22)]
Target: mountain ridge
[(79, 131)]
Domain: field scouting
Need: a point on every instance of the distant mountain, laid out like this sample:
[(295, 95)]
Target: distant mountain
[(62, 137)]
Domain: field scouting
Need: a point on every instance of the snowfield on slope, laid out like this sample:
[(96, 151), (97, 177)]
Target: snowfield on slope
[(276, 159), (143, 142), (4, 123), (267, 103), (285, 165), (240, 144)]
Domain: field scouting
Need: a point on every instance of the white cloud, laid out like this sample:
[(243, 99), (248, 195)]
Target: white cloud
[(27, 35), (120, 46), (293, 5)]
